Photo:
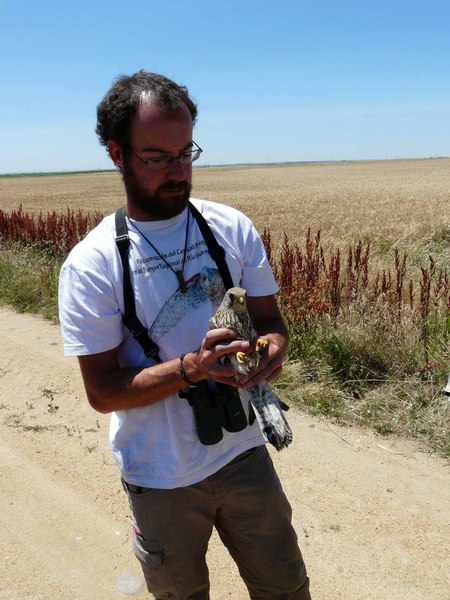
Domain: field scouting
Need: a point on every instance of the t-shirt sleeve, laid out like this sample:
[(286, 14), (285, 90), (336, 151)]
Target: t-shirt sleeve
[(91, 321), (257, 275)]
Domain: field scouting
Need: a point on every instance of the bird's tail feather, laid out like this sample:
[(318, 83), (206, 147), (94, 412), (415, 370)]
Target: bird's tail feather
[(270, 416)]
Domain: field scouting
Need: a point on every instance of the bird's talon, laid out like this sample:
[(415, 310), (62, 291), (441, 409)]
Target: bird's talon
[(241, 357), (261, 344)]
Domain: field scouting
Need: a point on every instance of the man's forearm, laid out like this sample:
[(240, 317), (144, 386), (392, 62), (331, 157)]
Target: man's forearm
[(110, 387), (124, 388)]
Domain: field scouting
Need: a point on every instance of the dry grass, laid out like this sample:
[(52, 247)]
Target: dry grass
[(363, 364), (90, 192), (402, 203)]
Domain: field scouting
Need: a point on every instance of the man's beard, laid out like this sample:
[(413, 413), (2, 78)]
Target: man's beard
[(156, 207)]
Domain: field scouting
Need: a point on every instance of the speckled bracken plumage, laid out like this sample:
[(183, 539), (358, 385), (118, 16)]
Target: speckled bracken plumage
[(233, 314)]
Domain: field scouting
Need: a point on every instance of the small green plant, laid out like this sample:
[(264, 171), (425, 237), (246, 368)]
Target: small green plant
[(36, 428), (92, 447), (94, 429), (51, 406), (383, 428), (73, 430)]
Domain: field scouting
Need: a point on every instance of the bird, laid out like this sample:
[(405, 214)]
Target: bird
[(233, 314)]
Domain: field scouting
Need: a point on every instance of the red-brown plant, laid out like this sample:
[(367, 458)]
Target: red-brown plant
[(55, 233), (312, 287)]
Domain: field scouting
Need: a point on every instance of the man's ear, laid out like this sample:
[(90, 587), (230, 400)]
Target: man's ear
[(115, 152)]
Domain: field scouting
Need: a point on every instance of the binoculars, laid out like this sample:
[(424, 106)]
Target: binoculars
[(216, 407)]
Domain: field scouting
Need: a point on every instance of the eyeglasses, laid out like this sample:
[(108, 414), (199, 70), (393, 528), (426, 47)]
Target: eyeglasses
[(158, 163)]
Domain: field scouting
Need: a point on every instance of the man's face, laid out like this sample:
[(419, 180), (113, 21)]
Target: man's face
[(155, 194)]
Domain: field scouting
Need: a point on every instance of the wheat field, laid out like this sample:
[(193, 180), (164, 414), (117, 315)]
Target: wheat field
[(395, 203), (379, 363)]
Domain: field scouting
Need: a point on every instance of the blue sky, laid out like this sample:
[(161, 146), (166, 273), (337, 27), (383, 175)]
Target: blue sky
[(274, 80)]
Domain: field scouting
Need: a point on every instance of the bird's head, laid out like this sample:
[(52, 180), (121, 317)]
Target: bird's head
[(236, 299)]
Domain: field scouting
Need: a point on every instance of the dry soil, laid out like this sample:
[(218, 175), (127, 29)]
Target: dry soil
[(372, 513)]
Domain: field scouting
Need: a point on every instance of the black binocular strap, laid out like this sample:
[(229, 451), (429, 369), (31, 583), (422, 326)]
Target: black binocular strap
[(130, 319), (215, 249)]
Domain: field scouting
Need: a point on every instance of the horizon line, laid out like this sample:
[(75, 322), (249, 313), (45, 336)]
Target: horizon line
[(209, 166)]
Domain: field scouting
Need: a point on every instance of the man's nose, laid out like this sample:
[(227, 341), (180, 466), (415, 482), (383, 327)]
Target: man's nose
[(177, 170)]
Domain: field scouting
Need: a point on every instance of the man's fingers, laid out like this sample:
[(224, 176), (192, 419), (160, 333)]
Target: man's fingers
[(233, 346)]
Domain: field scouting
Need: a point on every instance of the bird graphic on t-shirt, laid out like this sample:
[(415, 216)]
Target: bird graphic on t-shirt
[(206, 285), (233, 314)]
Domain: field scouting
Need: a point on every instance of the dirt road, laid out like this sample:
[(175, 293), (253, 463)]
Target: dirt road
[(372, 513)]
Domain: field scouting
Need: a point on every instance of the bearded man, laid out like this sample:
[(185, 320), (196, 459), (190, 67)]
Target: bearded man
[(188, 464)]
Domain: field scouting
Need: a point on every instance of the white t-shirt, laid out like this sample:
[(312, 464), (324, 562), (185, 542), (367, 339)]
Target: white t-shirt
[(157, 445)]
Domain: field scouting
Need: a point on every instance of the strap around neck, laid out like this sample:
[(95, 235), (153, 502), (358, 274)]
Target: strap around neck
[(215, 249), (130, 318)]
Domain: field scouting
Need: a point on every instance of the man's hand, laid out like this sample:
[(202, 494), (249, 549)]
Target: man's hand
[(270, 364), (215, 346)]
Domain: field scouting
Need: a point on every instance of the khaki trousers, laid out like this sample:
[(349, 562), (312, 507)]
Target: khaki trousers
[(245, 503)]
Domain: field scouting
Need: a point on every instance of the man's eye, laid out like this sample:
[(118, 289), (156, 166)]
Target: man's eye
[(160, 160)]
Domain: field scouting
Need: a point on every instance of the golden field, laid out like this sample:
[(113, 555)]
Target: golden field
[(403, 203)]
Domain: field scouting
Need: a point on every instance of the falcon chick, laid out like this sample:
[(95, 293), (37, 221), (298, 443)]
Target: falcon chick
[(233, 314)]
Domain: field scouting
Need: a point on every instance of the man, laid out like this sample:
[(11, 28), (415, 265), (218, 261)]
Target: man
[(178, 487)]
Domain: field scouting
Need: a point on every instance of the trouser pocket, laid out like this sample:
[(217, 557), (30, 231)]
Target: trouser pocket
[(134, 489), (147, 553), (156, 573)]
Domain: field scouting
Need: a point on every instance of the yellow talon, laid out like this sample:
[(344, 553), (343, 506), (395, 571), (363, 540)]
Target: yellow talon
[(261, 344), (241, 357)]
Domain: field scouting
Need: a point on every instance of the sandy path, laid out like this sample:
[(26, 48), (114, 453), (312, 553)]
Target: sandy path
[(372, 514)]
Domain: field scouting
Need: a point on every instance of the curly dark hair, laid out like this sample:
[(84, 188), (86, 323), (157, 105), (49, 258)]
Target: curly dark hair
[(117, 109)]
